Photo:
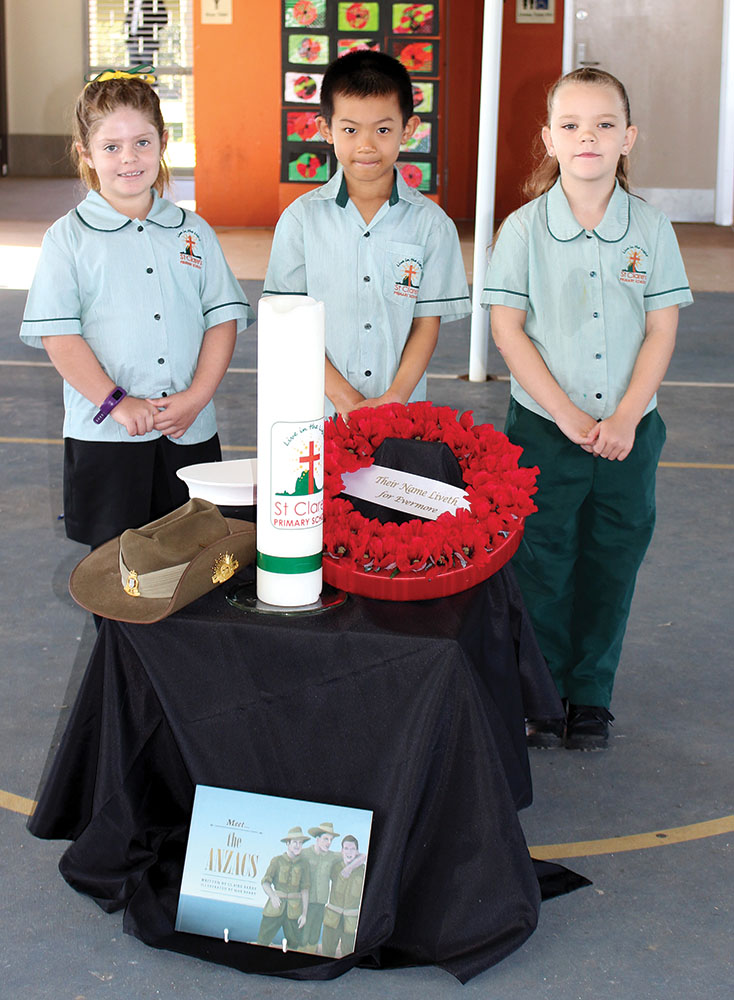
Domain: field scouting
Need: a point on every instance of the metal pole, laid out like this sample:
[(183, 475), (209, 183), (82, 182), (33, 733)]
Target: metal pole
[(486, 180), (724, 195)]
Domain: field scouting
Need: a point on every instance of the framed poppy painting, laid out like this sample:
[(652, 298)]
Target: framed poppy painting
[(310, 167), (305, 13), (300, 126), (308, 50)]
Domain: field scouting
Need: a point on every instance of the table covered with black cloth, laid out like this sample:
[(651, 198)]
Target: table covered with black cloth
[(414, 710)]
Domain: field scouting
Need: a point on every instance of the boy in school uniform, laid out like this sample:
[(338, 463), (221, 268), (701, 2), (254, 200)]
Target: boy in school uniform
[(383, 258)]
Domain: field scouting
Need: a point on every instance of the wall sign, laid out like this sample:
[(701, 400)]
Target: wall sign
[(216, 11), (535, 11)]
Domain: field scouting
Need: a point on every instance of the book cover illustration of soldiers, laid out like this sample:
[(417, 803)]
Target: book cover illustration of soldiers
[(278, 872)]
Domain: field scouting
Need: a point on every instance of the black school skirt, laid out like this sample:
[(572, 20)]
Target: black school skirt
[(111, 486)]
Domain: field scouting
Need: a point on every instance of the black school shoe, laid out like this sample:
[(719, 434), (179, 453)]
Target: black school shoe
[(587, 727), (546, 734)]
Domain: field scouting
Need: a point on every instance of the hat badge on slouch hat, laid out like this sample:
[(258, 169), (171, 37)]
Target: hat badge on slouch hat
[(148, 573), (225, 566)]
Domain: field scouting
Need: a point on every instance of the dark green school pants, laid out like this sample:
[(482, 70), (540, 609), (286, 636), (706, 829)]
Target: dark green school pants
[(581, 551)]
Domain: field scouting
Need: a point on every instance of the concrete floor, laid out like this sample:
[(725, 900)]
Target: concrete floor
[(650, 822)]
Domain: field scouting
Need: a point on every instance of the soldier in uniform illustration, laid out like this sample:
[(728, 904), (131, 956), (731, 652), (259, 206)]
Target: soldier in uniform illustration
[(286, 883), (342, 910), (320, 860)]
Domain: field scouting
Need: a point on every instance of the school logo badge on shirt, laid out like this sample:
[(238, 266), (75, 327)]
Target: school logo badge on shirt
[(189, 244), (407, 273), (634, 264)]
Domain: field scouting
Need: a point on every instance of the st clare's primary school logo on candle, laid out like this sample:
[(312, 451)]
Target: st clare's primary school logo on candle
[(297, 474)]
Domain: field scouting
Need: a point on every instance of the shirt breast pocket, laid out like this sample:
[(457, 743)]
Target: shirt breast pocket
[(403, 272)]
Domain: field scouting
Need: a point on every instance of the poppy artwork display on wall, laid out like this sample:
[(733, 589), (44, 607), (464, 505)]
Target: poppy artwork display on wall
[(305, 13), (302, 88), (314, 32), (423, 97), (308, 49), (417, 57), (413, 18), (416, 175), (420, 141), (358, 17), (345, 45), (300, 126), (311, 167)]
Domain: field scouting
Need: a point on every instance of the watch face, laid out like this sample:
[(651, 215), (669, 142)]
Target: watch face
[(118, 394)]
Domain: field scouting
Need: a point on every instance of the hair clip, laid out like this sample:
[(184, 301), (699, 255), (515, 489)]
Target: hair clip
[(142, 72)]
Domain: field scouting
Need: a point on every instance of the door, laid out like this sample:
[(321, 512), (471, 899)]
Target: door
[(667, 53)]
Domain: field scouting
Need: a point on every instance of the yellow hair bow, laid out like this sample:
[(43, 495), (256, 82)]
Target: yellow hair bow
[(142, 72)]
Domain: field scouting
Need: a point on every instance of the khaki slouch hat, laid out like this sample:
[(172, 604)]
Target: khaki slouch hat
[(147, 573)]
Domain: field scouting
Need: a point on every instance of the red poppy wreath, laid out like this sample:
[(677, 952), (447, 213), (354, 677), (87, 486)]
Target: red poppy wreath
[(419, 559)]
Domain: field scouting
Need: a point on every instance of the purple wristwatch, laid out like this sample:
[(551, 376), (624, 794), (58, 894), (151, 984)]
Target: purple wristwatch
[(116, 396)]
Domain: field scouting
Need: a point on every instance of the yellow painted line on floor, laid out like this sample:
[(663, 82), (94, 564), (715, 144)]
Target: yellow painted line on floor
[(28, 364), (695, 465), (16, 803), (9, 440), (636, 842)]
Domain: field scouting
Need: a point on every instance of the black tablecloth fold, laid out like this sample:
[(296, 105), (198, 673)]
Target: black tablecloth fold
[(412, 710)]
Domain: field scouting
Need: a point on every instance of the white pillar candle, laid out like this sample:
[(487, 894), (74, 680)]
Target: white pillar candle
[(290, 449)]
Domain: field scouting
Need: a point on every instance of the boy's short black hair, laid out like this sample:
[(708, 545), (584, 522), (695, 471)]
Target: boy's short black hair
[(366, 74)]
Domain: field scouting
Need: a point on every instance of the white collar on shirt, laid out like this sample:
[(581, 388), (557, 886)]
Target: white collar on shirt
[(563, 225), (98, 214)]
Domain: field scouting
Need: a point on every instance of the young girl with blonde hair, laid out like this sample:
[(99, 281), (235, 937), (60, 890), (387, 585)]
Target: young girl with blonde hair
[(584, 287), (138, 311)]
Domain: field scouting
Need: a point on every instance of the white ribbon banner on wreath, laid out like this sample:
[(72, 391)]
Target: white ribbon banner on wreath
[(403, 491)]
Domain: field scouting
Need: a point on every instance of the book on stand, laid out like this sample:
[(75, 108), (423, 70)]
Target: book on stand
[(278, 872)]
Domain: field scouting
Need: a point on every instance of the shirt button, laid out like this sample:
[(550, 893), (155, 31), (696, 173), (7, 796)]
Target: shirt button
[(368, 326), (598, 395), (164, 394), (366, 277), (592, 274), (597, 356), (588, 236), (161, 361), (368, 373), (367, 233), (149, 270), (140, 229), (596, 315), (157, 316)]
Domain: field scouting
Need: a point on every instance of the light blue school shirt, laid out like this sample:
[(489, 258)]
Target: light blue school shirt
[(373, 278), (586, 293), (142, 294)]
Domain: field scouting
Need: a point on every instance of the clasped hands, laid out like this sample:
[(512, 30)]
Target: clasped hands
[(171, 415), (611, 438)]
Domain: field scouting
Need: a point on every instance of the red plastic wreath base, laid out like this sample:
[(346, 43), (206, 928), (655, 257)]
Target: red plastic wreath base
[(424, 586)]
